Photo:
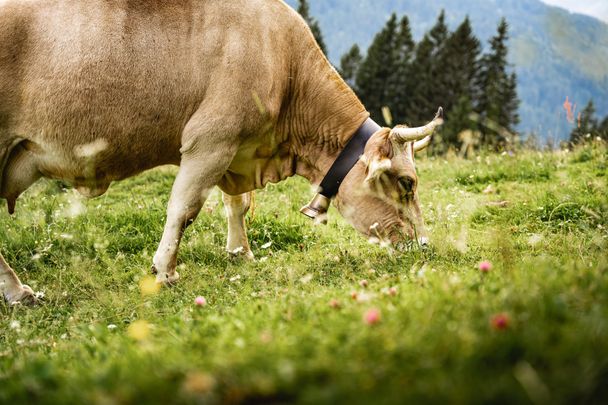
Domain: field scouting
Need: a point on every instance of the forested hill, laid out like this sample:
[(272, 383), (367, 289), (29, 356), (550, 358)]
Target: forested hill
[(555, 53)]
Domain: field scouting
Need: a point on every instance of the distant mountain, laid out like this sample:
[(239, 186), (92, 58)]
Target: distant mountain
[(555, 53)]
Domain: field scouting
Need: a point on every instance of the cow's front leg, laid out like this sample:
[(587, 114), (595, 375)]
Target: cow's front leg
[(11, 288), (236, 209), (187, 198), (190, 190), (204, 161)]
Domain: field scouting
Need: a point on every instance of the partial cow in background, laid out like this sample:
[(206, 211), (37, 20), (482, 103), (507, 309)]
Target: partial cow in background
[(237, 93)]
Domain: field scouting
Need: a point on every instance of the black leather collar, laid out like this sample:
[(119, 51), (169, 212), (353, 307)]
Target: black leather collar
[(347, 159)]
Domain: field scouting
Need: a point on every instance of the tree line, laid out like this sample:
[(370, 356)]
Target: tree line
[(588, 126), (410, 79), (445, 68)]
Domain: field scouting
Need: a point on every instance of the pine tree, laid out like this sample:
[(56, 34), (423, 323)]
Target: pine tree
[(422, 78), (428, 90), (400, 81), (439, 33), (349, 65), (510, 104), (497, 99), (460, 64), (304, 10), (603, 129), (586, 124), (374, 75), (384, 76), (493, 66), (459, 67)]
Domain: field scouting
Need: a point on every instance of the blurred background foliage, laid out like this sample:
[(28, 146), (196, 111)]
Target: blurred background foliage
[(501, 71)]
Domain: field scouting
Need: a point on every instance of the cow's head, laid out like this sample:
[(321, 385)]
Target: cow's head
[(380, 194)]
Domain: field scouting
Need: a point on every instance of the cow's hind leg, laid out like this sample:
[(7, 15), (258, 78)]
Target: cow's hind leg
[(11, 288), (205, 158), (236, 209)]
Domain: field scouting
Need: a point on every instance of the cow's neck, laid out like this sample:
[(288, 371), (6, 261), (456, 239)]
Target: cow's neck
[(325, 114)]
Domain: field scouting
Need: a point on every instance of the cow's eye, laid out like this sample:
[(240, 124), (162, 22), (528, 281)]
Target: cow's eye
[(406, 186)]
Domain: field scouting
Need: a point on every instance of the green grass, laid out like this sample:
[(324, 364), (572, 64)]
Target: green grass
[(269, 333)]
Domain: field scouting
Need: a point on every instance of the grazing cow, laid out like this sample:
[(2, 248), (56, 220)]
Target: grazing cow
[(237, 93)]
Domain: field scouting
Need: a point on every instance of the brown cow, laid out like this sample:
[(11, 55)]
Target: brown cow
[(237, 93)]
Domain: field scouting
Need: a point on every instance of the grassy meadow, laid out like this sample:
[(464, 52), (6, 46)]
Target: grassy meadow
[(321, 316)]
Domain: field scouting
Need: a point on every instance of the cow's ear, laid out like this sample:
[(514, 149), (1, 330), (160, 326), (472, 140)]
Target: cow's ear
[(377, 167), (378, 155)]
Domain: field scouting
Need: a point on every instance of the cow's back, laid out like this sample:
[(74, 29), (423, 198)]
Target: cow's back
[(126, 76)]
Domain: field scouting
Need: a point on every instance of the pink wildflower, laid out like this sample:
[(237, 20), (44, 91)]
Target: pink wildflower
[(335, 304), (372, 317), (485, 267), (500, 321)]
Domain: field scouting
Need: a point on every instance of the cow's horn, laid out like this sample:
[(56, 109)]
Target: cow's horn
[(404, 134), (317, 209), (422, 144)]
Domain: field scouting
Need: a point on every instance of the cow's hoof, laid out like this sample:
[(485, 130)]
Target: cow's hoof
[(241, 254), (24, 296), (167, 279)]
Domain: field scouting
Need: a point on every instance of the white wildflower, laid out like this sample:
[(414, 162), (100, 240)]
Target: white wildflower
[(535, 239)]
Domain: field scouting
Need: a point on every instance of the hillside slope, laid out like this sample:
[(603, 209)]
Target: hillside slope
[(556, 54)]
